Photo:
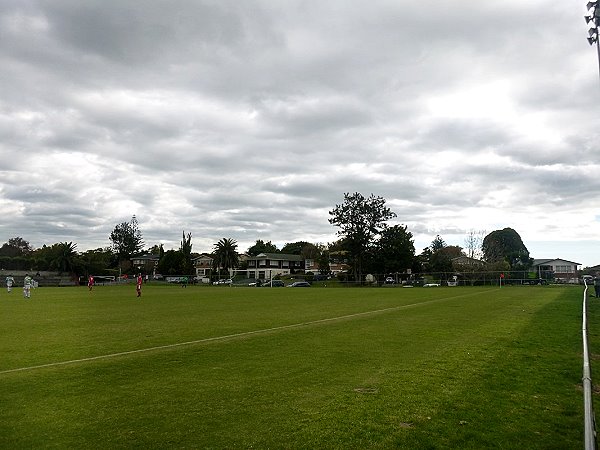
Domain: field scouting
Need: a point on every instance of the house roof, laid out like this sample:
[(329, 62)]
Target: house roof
[(277, 257), (548, 261), (146, 256), (467, 259), (203, 256)]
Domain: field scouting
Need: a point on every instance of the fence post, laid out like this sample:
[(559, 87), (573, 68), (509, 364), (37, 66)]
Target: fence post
[(589, 422)]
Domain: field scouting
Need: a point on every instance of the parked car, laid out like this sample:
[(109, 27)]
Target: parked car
[(273, 283), (227, 281), (389, 280), (534, 281), (299, 284)]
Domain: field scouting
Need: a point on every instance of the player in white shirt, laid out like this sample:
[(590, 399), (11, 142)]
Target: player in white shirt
[(9, 282), (27, 285)]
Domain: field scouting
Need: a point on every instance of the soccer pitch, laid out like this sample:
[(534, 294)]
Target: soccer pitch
[(227, 367)]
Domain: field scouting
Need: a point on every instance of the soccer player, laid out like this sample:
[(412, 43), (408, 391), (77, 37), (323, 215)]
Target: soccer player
[(138, 286), (90, 282), (27, 284), (9, 282)]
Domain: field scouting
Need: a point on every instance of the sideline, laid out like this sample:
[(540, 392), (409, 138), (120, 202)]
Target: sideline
[(235, 335)]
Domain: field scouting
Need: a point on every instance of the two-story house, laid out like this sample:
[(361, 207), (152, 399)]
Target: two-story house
[(268, 265), (335, 267), (203, 265), (145, 263), (563, 270)]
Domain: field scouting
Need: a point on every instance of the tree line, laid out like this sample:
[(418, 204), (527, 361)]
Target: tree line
[(366, 244)]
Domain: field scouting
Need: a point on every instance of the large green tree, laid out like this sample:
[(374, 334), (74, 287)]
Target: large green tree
[(95, 262), (361, 220), (262, 247), (437, 244), (171, 263), (395, 250), (186, 251), (16, 246), (294, 248), (126, 239), (440, 261), (225, 255), (323, 260), (64, 254), (506, 245)]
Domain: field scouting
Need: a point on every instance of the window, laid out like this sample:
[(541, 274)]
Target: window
[(564, 269)]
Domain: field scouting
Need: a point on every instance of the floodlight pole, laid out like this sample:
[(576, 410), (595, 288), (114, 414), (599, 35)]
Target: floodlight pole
[(594, 17), (598, 50)]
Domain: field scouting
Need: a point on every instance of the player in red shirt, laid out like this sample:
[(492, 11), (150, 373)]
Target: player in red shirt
[(138, 286), (90, 282)]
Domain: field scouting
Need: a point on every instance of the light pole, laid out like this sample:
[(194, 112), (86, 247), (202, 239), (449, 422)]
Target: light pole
[(594, 18)]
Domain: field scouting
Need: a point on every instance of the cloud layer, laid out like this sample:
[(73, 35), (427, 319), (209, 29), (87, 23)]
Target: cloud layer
[(249, 120)]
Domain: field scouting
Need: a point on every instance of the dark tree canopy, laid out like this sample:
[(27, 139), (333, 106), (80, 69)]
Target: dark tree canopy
[(294, 248), (126, 239), (16, 246), (64, 254), (171, 263), (506, 245), (225, 255), (262, 247), (395, 250), (186, 250), (360, 220), (437, 244), (302, 248), (95, 262)]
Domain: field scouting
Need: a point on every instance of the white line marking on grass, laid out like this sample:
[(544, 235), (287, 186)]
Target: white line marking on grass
[(231, 336)]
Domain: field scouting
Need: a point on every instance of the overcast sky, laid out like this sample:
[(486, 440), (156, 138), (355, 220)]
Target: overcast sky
[(251, 119)]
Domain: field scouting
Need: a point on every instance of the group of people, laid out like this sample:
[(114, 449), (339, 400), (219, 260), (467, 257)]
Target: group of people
[(138, 284), (28, 283)]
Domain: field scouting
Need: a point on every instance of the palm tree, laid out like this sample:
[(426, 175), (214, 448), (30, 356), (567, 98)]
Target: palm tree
[(64, 256), (225, 255)]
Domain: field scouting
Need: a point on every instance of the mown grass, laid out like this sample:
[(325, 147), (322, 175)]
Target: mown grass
[(398, 368)]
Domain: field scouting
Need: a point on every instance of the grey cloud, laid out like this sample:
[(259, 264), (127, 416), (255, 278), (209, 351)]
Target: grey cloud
[(250, 120)]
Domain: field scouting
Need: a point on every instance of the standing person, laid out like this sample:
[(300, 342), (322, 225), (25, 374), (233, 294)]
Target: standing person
[(27, 284), (90, 282), (138, 286), (9, 282), (597, 285)]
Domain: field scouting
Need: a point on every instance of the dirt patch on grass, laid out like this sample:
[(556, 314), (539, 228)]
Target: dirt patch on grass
[(366, 390)]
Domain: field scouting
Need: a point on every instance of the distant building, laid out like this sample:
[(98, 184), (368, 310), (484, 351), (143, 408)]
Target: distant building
[(461, 263), (268, 265), (145, 263), (203, 265), (561, 269), (312, 265)]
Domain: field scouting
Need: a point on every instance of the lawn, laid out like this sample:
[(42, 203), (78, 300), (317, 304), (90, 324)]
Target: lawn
[(227, 367)]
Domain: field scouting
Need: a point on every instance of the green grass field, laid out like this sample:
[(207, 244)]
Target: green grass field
[(221, 367)]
